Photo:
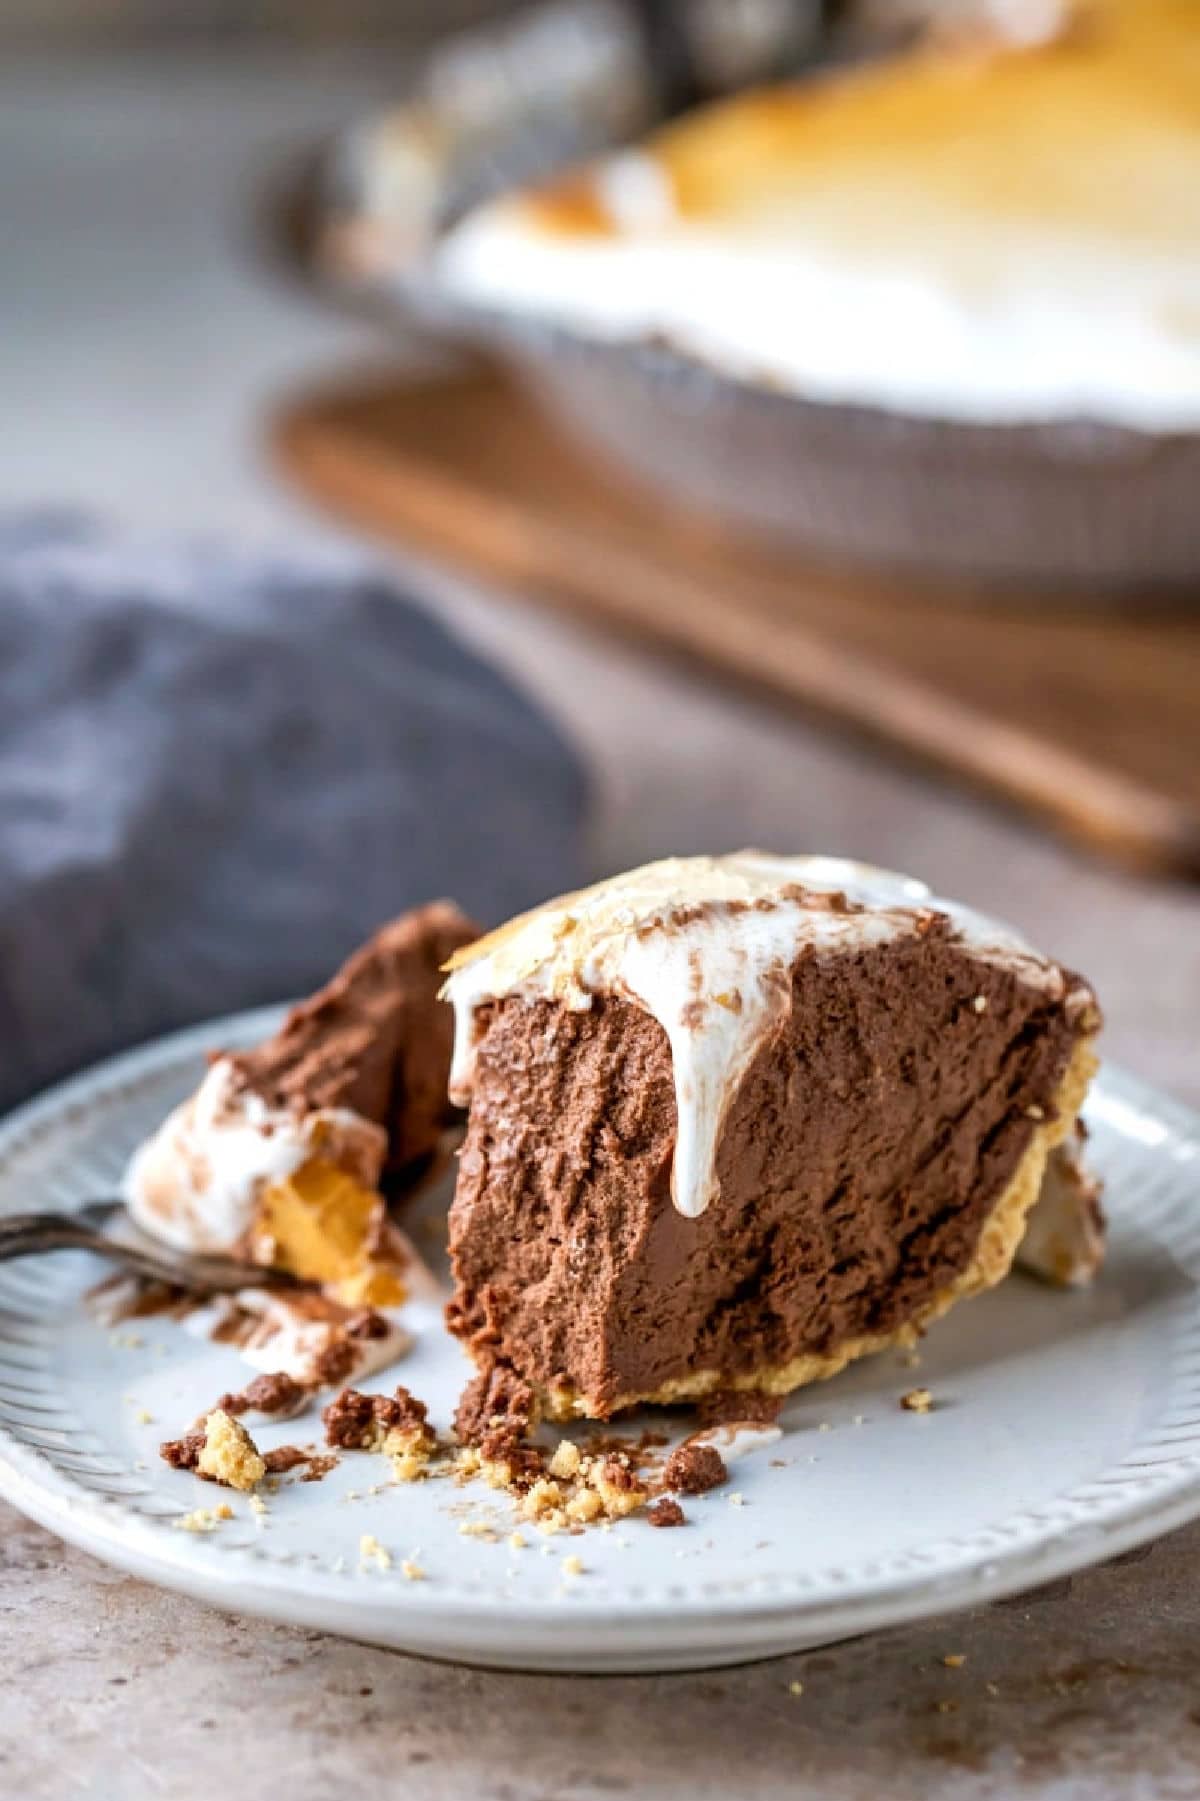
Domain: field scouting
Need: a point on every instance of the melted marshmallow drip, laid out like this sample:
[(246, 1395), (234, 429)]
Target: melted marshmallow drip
[(716, 1020), (706, 946)]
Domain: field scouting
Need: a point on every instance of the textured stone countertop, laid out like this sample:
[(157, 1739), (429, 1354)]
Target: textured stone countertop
[(141, 345), (1090, 1688)]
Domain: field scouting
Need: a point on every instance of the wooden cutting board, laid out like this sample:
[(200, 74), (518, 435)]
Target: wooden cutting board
[(1089, 718)]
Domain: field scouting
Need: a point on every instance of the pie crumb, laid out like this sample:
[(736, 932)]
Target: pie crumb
[(204, 1519), (566, 1459), (229, 1455), (370, 1549), (917, 1400)]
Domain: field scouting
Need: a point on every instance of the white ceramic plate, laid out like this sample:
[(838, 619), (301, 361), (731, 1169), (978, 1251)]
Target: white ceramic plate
[(1067, 1429)]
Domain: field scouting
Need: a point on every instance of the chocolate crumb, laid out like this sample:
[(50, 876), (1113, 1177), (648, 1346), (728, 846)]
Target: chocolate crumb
[(284, 1458), (182, 1453), (495, 1401), (694, 1468), (359, 1422), (617, 1474), (366, 1323), (333, 1363), (319, 1465), (274, 1393), (666, 1513), (526, 1463), (293, 1457), (739, 1406)]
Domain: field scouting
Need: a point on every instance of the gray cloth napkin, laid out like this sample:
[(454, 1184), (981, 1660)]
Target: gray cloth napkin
[(220, 770)]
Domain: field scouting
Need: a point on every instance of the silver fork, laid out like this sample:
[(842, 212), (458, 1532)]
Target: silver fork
[(106, 1228)]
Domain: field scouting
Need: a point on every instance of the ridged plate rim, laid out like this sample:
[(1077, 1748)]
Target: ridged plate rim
[(1151, 1489)]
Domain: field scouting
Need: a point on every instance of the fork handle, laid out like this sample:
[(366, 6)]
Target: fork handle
[(24, 1234)]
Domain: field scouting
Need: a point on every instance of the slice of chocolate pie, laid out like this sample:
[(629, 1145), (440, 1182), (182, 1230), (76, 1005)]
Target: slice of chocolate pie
[(284, 1153), (736, 1121)]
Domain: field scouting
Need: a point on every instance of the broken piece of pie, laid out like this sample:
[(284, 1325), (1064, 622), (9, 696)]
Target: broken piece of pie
[(284, 1153), (736, 1121)]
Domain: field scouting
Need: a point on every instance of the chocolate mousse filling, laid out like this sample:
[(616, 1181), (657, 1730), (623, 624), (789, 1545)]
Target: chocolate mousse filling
[(375, 1041), (287, 1154), (874, 1163)]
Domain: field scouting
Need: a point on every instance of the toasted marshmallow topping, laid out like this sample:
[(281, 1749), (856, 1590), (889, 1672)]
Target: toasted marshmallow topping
[(706, 945), (996, 235), (196, 1183)]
